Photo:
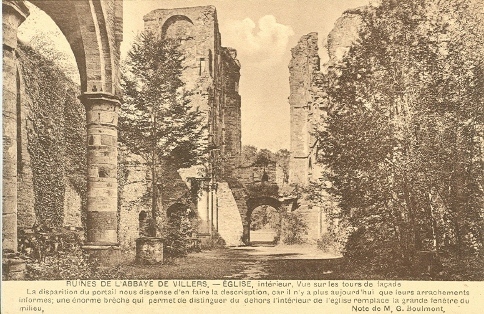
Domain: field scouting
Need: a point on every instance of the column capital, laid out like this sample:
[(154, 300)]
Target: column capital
[(94, 98), (15, 7), (13, 14)]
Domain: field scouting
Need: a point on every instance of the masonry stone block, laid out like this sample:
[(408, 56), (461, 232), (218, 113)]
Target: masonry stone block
[(9, 232), (102, 193), (13, 14)]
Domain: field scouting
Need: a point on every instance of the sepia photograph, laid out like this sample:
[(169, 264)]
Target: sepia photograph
[(198, 140)]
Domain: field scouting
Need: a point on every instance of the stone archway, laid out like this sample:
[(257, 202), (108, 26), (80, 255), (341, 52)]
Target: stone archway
[(94, 32), (252, 204), (177, 26), (265, 225)]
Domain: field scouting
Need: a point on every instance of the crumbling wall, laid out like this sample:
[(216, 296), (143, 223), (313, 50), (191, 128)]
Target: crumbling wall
[(133, 185), (231, 108), (231, 228), (212, 74), (303, 66), (310, 106), (344, 33)]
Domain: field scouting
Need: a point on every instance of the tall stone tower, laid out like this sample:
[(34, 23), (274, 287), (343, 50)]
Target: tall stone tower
[(303, 68), (212, 73)]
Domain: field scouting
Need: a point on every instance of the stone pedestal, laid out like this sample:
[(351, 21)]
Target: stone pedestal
[(13, 267), (104, 255), (149, 251)]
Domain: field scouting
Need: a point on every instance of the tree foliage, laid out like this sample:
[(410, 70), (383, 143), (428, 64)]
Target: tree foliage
[(252, 156), (403, 139), (176, 232), (157, 120)]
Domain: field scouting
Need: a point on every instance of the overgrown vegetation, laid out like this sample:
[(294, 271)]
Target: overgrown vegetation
[(403, 139), (57, 149), (265, 217), (176, 232), (56, 254), (293, 229), (252, 156)]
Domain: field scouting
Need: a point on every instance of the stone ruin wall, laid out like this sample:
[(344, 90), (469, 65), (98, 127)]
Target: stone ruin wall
[(305, 103), (25, 187), (212, 73), (309, 107), (217, 94), (302, 68)]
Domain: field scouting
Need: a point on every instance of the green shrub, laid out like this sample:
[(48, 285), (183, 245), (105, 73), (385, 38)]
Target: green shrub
[(293, 229), (328, 243), (176, 231)]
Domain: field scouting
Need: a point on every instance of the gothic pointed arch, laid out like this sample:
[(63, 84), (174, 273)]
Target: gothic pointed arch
[(93, 29)]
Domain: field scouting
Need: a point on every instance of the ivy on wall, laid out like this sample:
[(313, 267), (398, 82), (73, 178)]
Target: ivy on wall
[(55, 135)]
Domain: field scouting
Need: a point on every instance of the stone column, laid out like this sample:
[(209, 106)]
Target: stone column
[(102, 164), (215, 206), (13, 15), (203, 209), (210, 209)]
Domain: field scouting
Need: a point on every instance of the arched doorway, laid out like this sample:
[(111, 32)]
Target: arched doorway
[(262, 214), (265, 223)]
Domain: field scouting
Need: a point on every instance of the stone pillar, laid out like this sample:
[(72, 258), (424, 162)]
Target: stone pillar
[(203, 211), (210, 209), (102, 164), (215, 207), (14, 13)]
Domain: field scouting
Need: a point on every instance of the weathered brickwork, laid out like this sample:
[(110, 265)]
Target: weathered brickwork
[(309, 108), (344, 33), (307, 115), (230, 221), (13, 14)]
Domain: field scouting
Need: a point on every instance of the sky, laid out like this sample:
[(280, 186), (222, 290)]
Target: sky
[(263, 33)]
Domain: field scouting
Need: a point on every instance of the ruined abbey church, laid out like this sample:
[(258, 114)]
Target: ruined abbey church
[(45, 129)]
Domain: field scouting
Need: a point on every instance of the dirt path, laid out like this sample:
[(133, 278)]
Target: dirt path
[(255, 262)]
